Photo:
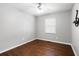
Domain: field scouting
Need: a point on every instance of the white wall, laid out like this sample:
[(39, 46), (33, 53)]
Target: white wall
[(75, 30), (15, 26), (63, 27)]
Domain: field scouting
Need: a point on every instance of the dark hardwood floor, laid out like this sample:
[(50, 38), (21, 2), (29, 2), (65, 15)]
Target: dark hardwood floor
[(40, 48)]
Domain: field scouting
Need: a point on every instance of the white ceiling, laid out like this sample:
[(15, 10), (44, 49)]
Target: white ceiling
[(46, 8)]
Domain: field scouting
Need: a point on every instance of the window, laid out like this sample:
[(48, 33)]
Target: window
[(50, 25)]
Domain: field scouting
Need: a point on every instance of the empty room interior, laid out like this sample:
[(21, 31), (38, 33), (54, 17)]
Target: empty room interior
[(39, 29)]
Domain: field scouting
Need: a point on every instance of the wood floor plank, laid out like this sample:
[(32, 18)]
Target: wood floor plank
[(40, 48)]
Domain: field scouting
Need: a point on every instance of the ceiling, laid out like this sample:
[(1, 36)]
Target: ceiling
[(46, 8)]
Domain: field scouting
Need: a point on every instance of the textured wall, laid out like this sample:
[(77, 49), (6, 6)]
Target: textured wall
[(75, 30), (63, 27), (15, 26)]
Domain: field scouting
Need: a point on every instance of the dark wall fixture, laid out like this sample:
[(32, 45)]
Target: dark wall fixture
[(39, 6), (76, 22)]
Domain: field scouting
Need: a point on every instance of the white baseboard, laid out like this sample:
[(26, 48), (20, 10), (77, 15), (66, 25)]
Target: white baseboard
[(16, 46), (74, 50), (61, 43), (40, 39), (54, 41)]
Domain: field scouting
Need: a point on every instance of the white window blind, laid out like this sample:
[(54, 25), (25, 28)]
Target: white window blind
[(50, 25)]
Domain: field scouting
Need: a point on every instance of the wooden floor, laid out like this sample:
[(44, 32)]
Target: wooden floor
[(40, 48)]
